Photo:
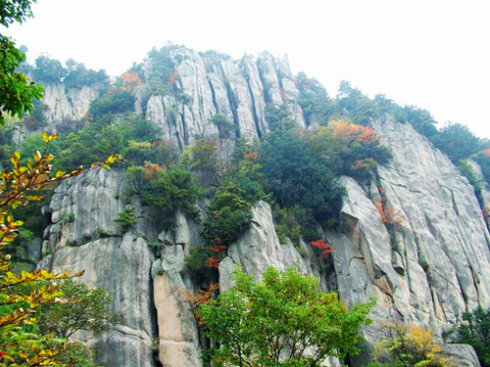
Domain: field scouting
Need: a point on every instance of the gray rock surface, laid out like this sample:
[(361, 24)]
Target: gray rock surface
[(89, 240), (437, 269), (71, 104), (462, 355), (240, 90), (178, 338), (259, 248)]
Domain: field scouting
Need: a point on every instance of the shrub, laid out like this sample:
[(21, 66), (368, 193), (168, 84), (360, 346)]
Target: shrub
[(348, 149), (166, 190), (126, 219), (229, 214), (135, 179), (226, 128), (466, 170)]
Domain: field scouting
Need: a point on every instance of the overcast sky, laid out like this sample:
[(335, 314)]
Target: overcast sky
[(434, 54)]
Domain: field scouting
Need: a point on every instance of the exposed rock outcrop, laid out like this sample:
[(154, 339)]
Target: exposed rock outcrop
[(89, 240), (67, 104)]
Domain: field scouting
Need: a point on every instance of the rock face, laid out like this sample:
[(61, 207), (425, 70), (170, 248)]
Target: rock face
[(89, 240), (71, 104), (429, 270), (236, 89)]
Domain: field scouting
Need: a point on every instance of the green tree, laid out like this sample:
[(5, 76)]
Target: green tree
[(475, 331), (80, 308), (126, 219), (294, 175), (282, 321), (15, 11), (458, 142), (48, 70), (17, 92)]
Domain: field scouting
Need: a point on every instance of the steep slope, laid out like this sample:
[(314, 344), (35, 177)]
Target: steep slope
[(437, 270), (426, 264)]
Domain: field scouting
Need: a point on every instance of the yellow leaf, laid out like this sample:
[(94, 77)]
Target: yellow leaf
[(52, 137), (37, 156), (60, 173), (45, 137), (14, 160)]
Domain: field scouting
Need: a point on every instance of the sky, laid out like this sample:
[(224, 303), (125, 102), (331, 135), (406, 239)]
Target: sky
[(433, 54)]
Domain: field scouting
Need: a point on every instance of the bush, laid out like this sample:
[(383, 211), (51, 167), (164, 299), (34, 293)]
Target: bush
[(126, 219), (167, 190), (228, 214), (466, 170), (348, 149), (226, 128), (407, 345)]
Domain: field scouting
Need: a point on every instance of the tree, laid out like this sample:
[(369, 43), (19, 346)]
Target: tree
[(282, 321), (295, 175), (16, 90), (406, 345), (80, 308), (458, 142), (475, 331), (15, 11)]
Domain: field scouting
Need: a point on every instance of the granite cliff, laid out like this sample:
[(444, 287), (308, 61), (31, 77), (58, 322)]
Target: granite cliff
[(428, 270)]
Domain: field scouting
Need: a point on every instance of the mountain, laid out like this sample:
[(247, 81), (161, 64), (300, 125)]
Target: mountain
[(412, 235)]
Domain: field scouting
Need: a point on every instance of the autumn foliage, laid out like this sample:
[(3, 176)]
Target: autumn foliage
[(347, 148), (408, 345), (389, 215), (323, 246), (131, 81), (202, 297), (353, 132)]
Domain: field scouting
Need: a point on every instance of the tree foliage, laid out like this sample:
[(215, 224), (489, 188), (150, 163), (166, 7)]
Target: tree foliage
[(284, 320), (80, 308), (475, 331), (17, 92), (15, 11), (407, 345), (348, 149), (458, 142), (294, 175)]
